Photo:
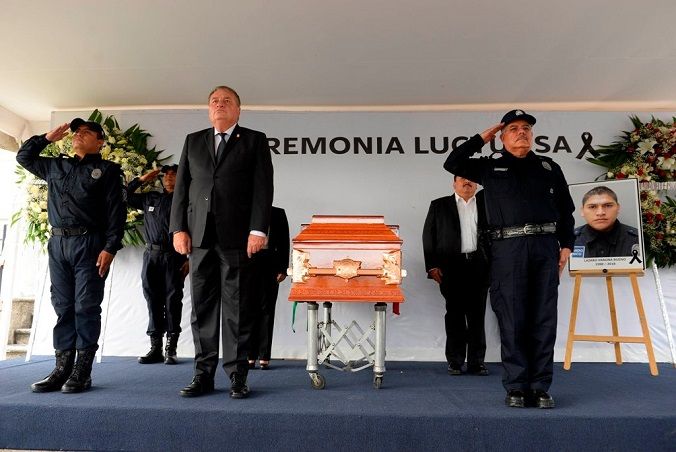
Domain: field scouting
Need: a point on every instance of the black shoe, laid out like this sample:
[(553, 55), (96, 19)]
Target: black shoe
[(80, 379), (62, 370), (238, 389), (454, 369), (541, 399), (477, 369), (265, 366), (515, 398), (170, 349), (252, 365), (154, 355), (200, 385)]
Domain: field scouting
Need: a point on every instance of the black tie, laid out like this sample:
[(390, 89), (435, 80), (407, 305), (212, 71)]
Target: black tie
[(221, 145)]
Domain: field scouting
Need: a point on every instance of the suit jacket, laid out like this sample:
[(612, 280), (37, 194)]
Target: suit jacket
[(276, 255), (237, 189), (441, 233)]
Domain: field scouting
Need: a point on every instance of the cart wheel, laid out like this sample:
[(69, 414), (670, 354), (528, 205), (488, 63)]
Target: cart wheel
[(377, 381), (317, 380)]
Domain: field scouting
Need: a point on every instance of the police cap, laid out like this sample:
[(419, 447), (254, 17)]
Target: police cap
[(91, 125), (516, 115)]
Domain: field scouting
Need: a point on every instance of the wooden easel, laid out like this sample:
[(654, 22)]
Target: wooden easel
[(615, 339)]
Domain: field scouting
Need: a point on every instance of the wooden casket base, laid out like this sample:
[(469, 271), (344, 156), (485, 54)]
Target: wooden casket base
[(366, 289)]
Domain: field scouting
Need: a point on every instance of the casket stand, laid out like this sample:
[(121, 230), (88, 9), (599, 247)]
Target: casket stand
[(346, 259)]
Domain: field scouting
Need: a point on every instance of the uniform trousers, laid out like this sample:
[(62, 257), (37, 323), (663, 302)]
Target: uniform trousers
[(162, 282), (524, 293), (76, 289)]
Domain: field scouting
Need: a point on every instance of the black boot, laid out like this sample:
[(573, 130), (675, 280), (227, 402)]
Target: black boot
[(170, 349), (61, 372), (155, 354), (80, 379)]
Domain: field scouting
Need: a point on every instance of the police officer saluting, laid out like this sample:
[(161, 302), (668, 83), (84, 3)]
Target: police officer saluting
[(163, 268), (530, 213), (87, 213)]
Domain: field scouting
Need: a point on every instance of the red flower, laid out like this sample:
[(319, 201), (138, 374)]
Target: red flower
[(659, 217), (620, 176)]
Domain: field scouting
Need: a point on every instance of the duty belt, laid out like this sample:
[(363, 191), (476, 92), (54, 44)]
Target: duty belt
[(67, 232), (520, 231)]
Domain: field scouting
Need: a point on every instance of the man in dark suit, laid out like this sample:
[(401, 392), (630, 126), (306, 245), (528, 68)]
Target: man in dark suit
[(219, 217), (273, 260), (456, 258)]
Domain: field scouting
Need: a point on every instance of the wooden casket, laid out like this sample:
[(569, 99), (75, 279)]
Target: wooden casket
[(347, 259)]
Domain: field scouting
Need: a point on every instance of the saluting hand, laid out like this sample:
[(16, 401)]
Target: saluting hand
[(103, 262), (57, 133), (488, 134), (150, 175)]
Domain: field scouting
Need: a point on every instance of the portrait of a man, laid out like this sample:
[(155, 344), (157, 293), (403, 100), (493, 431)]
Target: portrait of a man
[(604, 235)]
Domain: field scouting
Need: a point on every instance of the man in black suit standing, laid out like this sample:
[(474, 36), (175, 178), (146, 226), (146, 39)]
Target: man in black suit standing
[(273, 260), (220, 216), (456, 258)]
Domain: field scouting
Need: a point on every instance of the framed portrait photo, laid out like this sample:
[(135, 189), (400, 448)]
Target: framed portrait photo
[(608, 229)]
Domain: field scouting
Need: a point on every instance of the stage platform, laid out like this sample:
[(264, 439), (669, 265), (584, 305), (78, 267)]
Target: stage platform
[(600, 406)]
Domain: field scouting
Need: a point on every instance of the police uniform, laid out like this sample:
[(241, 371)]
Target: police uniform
[(87, 213), (530, 213), (621, 240), (161, 276)]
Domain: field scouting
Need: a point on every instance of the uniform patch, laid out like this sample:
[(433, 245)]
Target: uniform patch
[(151, 209), (547, 166), (500, 169), (96, 173), (578, 251)]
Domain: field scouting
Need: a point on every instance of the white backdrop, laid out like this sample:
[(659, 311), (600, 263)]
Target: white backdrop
[(398, 184)]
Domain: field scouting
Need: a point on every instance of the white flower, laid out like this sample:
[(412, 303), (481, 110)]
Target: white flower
[(646, 146), (666, 164)]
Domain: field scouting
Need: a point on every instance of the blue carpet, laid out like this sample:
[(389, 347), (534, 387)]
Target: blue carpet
[(600, 406)]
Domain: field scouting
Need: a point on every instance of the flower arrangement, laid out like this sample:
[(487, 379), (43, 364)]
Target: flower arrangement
[(128, 148), (648, 153)]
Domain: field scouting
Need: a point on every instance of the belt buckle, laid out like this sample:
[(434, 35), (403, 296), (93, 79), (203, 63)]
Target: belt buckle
[(530, 229)]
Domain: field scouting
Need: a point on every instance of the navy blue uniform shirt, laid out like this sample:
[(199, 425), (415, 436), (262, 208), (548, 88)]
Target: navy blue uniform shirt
[(156, 208), (524, 190), (81, 193)]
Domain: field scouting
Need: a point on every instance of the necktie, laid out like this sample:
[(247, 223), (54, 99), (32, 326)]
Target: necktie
[(221, 145)]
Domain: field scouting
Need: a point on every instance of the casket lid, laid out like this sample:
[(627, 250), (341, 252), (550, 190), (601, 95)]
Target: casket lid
[(348, 229)]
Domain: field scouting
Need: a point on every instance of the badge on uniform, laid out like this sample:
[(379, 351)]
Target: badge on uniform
[(578, 251), (499, 169), (96, 173), (547, 166), (151, 209)]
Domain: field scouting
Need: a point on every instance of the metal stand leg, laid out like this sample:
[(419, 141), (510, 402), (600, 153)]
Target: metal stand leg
[(313, 346), (327, 326), (379, 362)]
